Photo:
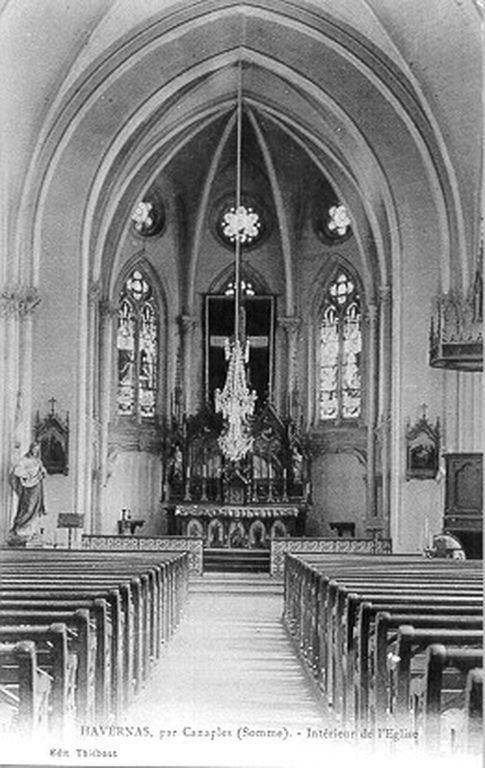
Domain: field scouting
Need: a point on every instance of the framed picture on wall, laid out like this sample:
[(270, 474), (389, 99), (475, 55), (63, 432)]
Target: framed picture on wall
[(422, 449), (52, 432)]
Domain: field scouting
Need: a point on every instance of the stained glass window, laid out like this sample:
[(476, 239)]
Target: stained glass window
[(148, 215), (332, 221), (137, 347), (243, 224), (340, 392), (246, 288), (338, 220)]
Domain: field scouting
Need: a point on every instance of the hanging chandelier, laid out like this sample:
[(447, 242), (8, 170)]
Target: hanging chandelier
[(236, 402)]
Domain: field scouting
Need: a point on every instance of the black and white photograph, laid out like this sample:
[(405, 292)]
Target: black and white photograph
[(241, 388)]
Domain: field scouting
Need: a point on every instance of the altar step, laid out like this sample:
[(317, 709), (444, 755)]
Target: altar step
[(236, 560)]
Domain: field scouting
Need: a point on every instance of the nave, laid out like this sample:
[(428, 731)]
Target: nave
[(127, 657)]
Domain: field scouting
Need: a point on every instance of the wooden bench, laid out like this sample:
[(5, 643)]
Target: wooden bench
[(82, 642), (100, 621), (436, 692), (154, 598), (24, 687), (53, 657), (398, 638), (58, 594), (142, 594), (473, 725), (359, 627), (331, 608)]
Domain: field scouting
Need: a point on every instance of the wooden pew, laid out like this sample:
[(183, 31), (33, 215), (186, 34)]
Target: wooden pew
[(396, 642), (330, 609), (100, 620), (129, 638), (24, 686), (458, 603), (359, 627), (392, 648), (59, 594), (82, 643), (319, 592), (167, 572), (431, 693), (150, 632), (39, 579), (53, 657), (344, 606), (473, 726)]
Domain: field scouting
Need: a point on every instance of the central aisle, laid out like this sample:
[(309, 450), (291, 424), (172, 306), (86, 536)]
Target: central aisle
[(230, 664)]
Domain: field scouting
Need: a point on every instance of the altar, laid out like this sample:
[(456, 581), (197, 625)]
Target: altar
[(243, 504), (251, 526)]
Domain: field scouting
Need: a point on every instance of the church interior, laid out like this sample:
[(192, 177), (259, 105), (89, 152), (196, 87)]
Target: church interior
[(241, 309)]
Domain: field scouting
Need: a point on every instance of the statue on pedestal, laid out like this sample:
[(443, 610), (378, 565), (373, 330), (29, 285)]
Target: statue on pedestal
[(27, 480)]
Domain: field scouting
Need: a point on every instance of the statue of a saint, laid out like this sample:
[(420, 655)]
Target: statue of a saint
[(26, 479)]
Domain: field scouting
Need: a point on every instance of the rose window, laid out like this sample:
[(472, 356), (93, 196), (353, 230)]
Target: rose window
[(338, 220), (142, 216), (242, 224), (147, 217), (333, 223)]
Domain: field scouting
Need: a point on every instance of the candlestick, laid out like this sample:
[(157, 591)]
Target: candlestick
[(285, 484)]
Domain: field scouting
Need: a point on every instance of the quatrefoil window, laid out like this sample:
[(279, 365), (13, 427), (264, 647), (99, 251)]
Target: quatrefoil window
[(333, 224), (148, 216)]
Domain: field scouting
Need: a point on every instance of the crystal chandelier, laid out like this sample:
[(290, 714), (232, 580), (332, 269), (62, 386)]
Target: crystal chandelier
[(236, 402)]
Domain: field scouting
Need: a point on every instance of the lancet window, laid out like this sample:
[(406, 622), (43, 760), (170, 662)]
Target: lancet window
[(340, 351), (137, 348)]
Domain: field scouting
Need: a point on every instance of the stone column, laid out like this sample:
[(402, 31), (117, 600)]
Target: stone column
[(187, 325), (108, 312), (372, 384), (91, 463), (383, 429), (291, 325), (17, 304)]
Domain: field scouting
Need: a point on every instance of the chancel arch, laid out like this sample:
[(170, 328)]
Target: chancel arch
[(127, 127)]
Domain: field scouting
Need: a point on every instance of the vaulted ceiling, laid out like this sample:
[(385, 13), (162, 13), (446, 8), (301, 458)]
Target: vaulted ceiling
[(382, 97)]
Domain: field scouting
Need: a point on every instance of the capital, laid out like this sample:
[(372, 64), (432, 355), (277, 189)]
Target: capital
[(371, 313), (291, 324), (94, 291), (385, 294), (107, 308), (17, 299), (187, 323)]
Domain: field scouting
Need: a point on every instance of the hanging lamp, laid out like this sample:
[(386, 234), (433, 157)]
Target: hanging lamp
[(237, 402)]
